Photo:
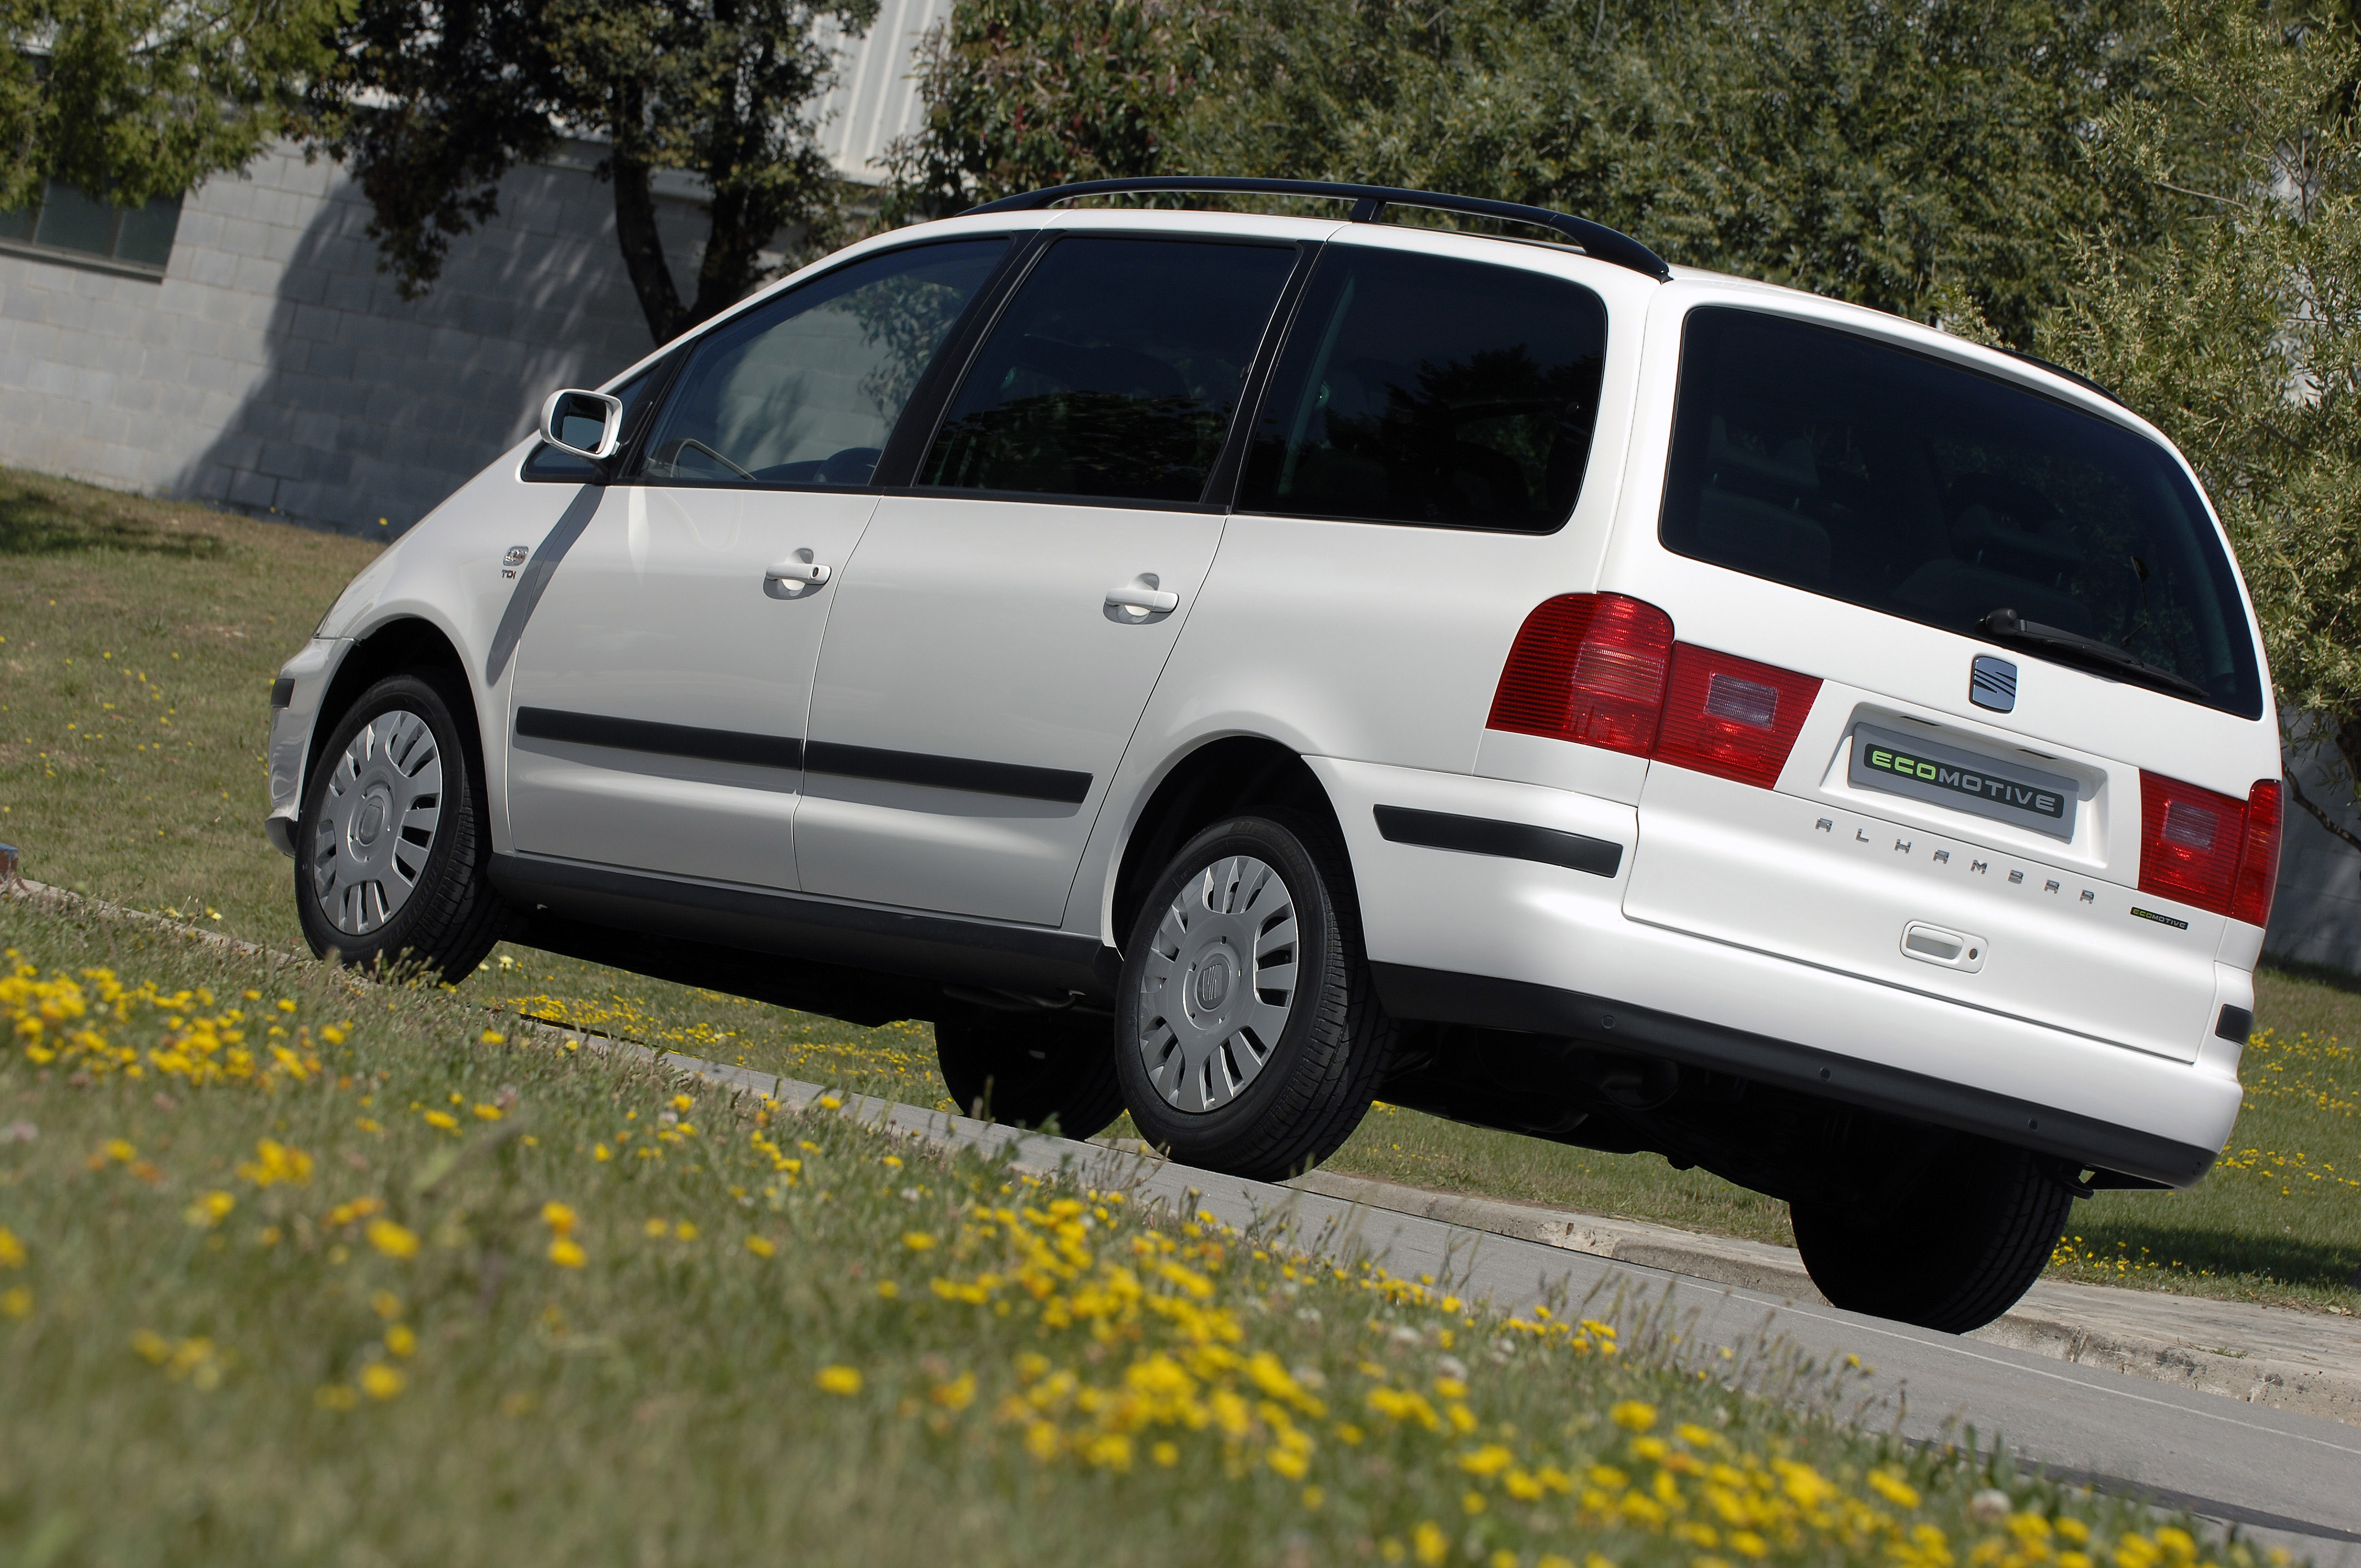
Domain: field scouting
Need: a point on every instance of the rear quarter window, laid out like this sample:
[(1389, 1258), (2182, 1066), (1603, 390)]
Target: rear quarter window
[(1835, 464)]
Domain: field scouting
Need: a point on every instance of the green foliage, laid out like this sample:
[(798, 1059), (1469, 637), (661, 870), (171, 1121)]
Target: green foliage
[(136, 99), (1865, 150), (431, 105), (2239, 334)]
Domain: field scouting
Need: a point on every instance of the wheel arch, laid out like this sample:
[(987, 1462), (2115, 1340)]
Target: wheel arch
[(1220, 777), (402, 643)]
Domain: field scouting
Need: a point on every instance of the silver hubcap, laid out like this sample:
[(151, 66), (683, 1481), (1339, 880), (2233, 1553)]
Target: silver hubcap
[(377, 822), (1217, 984)]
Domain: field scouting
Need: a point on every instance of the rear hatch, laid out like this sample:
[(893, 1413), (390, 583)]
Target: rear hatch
[(1964, 696)]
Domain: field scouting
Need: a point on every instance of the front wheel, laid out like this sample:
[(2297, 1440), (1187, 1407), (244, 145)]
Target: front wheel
[(1953, 1254), (391, 849), (1249, 1035)]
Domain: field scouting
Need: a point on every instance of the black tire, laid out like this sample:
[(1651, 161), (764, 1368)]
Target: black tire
[(433, 909), (1030, 1068), (1956, 1253), (1187, 1085)]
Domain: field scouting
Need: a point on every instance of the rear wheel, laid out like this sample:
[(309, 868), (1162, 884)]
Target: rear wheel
[(390, 847), (1956, 1253), (1025, 1069), (1249, 1035)]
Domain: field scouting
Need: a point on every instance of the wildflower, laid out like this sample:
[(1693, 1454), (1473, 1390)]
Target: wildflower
[(210, 1209), (956, 1394), (566, 1252), (15, 1302), (395, 1241), (683, 1104), (444, 1120), (274, 1163), (12, 1251), (1168, 1454), (379, 1381), (1634, 1415), (558, 1217), (685, 1231), (401, 1339), (601, 1153), (842, 1380), (1889, 1484), (487, 1113), (917, 1241), (760, 1246), (1427, 1544), (386, 1304), (119, 1150), (494, 1038), (1312, 1498)]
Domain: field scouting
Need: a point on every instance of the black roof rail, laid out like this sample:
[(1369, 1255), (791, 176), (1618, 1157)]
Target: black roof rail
[(2057, 370), (1368, 203)]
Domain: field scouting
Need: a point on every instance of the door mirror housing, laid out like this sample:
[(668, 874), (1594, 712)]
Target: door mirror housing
[(588, 425)]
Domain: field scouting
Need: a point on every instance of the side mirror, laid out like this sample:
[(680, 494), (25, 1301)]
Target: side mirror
[(588, 425)]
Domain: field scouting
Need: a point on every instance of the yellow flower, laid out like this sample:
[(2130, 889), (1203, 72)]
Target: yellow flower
[(286, 1004), (210, 1209), (12, 1251), (956, 1394), (1488, 1461), (1427, 1544), (682, 1102), (386, 1304), (487, 1113), (444, 1120), (558, 1217), (917, 1241), (494, 1038), (656, 1229), (600, 1152), (119, 1150), (843, 1380), (1169, 1454), (1634, 1415), (685, 1231), (760, 1246), (275, 1162), (379, 1381), (1890, 1485), (401, 1339), (1314, 1496), (830, 1102), (15, 1302), (395, 1241), (566, 1252)]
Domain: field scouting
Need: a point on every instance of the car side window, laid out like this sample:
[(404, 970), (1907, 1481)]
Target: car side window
[(1425, 389), (555, 465), (805, 390), (1113, 372)]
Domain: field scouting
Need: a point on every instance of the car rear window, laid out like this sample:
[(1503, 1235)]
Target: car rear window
[(1832, 463)]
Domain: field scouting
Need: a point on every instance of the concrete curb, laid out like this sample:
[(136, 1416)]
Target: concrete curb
[(2264, 1355)]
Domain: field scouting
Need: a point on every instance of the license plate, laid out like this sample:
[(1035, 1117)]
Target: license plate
[(1964, 780)]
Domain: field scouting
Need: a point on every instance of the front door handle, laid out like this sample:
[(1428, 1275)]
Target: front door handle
[(796, 572), (1140, 597)]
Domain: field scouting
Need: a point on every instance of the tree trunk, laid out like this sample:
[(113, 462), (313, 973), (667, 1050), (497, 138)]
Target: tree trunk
[(730, 252), (635, 231)]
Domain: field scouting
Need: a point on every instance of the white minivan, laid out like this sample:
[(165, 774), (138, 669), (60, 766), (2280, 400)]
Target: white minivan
[(1230, 667)]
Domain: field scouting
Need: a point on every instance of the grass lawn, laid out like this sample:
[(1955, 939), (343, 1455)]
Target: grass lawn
[(297, 1271), (137, 641)]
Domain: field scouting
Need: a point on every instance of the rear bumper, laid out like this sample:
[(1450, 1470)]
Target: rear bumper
[(1506, 942)]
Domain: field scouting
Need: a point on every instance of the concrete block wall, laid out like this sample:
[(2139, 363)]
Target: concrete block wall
[(2317, 916), (275, 368)]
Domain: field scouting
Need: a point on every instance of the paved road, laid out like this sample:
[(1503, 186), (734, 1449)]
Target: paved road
[(2287, 1479)]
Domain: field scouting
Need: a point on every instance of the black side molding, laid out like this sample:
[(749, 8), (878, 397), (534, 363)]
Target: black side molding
[(1012, 779), (660, 739), (1509, 841), (947, 949), (282, 692), (1485, 1002), (2235, 1024)]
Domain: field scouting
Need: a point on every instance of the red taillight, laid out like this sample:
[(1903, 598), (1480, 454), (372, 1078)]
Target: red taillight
[(1587, 667), (1731, 716), (1603, 670), (2213, 850)]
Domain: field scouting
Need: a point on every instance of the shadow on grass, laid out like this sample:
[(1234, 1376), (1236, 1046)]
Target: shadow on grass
[(36, 520), (2290, 1260), (2328, 975)]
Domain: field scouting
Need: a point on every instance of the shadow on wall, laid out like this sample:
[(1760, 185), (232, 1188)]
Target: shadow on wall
[(371, 409), (2316, 918)]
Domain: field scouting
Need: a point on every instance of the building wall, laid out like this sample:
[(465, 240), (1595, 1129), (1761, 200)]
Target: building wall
[(274, 368), (2317, 916)]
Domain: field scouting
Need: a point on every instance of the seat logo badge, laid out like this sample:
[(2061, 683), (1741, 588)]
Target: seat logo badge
[(1991, 682), (514, 559)]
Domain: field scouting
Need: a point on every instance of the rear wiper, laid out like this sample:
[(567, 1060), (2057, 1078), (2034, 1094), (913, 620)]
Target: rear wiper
[(2073, 648)]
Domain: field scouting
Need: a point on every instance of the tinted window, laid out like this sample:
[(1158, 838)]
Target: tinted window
[(1113, 372), (1848, 468), (549, 463), (1415, 388), (804, 390)]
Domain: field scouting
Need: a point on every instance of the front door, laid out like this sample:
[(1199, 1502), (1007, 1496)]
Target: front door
[(661, 684), (1000, 630)]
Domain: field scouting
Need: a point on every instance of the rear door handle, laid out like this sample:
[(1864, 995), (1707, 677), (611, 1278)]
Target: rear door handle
[(796, 572)]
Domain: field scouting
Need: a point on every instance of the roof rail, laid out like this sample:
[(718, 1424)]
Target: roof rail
[(1368, 203)]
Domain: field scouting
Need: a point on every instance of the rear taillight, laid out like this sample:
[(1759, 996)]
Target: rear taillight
[(1589, 668), (1732, 716), (2215, 851), (1602, 670)]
